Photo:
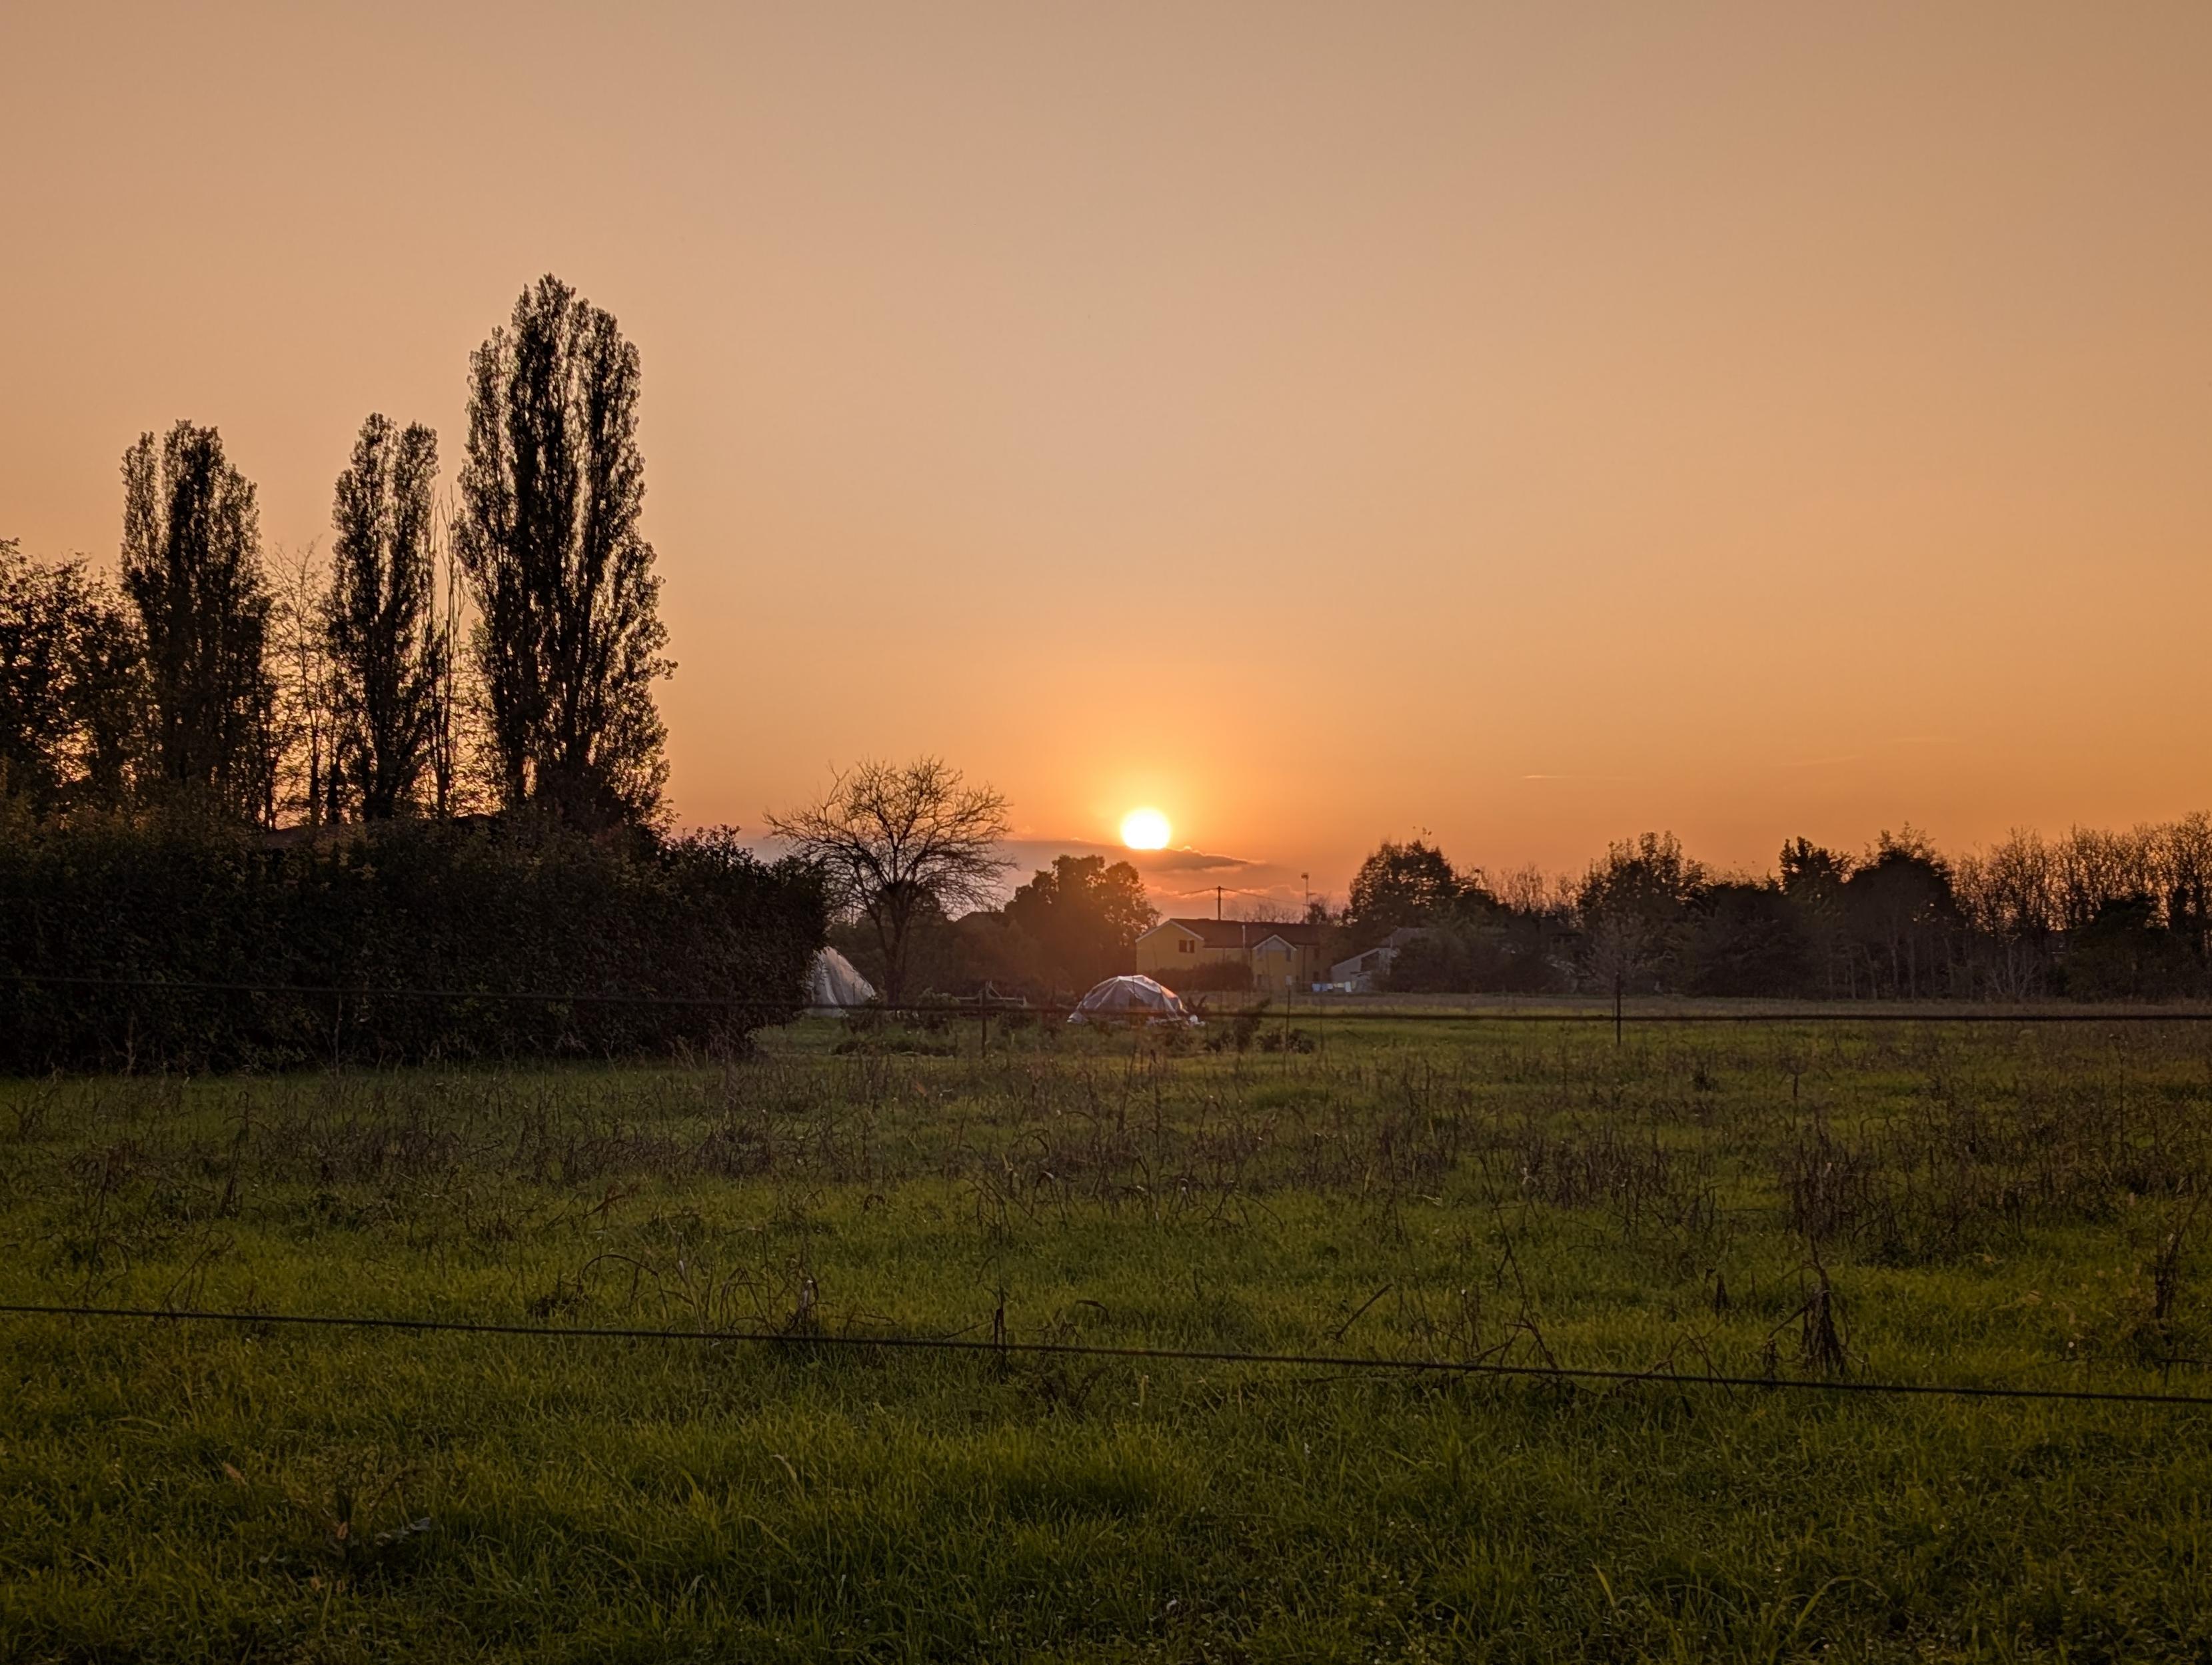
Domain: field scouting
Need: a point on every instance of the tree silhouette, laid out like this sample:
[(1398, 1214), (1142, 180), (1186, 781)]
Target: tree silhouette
[(1084, 917), (69, 661), (1634, 903), (570, 641), (1904, 915), (192, 568), (898, 845), (1404, 884), (381, 626)]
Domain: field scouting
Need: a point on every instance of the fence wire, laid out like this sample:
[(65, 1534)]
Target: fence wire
[(1657, 1377), (1316, 1008)]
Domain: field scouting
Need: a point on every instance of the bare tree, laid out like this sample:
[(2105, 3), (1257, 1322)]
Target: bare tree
[(898, 844), (305, 702), (449, 741), (2187, 848), (2010, 899), (2094, 867), (1526, 890)]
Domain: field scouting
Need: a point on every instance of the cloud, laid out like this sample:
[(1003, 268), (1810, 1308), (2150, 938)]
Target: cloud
[(1243, 878), (1032, 853), (1186, 861)]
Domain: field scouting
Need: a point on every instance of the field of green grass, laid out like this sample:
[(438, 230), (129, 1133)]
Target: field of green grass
[(1996, 1204)]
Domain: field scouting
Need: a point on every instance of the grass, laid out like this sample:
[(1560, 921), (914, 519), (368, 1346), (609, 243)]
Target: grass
[(1994, 1204)]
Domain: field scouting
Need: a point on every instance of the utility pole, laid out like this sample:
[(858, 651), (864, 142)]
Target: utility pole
[(1305, 897), (1217, 904)]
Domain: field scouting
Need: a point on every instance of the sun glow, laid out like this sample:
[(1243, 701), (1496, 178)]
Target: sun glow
[(1145, 829)]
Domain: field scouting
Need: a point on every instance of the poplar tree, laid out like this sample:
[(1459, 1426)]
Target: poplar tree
[(386, 644), (569, 639), (192, 570)]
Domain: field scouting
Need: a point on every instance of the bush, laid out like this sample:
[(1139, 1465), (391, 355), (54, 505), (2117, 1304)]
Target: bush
[(406, 941), (2125, 954), (1220, 976)]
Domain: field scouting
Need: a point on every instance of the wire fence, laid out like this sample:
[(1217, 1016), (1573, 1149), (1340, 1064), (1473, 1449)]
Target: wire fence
[(1658, 1375), (984, 1012), (1351, 1008)]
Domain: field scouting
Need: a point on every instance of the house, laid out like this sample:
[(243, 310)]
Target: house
[(1282, 958), (1362, 974)]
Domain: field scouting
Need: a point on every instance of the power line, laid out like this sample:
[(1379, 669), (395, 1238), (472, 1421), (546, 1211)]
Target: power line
[(1092, 1350)]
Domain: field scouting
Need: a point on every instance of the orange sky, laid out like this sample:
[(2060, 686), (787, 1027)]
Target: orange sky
[(1528, 424)]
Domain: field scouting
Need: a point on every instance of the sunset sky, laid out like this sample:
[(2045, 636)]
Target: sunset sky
[(1530, 425)]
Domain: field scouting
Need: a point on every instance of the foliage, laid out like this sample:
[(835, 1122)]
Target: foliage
[(2123, 954), (1634, 904), (570, 639), (1502, 955), (432, 920), (1747, 939), (381, 627), (1401, 885), (1903, 918), (69, 669), (1216, 977), (192, 569), (2098, 916), (1085, 918)]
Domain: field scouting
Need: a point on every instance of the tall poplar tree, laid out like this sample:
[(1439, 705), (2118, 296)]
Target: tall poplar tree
[(386, 644), (192, 569), (569, 639)]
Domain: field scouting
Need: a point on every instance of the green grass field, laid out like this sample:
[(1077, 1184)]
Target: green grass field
[(1999, 1204)]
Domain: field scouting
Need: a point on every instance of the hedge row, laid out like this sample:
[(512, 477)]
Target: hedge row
[(421, 928)]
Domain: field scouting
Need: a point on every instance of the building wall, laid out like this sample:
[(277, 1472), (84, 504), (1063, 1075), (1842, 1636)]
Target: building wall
[(1274, 969), (1165, 954)]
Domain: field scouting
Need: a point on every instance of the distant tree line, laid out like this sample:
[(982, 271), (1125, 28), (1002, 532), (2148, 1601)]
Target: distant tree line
[(913, 872), (2092, 915), (482, 662)]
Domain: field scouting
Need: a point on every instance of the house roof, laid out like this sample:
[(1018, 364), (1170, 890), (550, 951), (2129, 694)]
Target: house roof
[(1244, 933)]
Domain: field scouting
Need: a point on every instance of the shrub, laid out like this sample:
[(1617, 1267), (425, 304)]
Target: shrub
[(404, 941)]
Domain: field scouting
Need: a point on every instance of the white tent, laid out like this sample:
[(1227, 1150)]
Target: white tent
[(1124, 998), (832, 984)]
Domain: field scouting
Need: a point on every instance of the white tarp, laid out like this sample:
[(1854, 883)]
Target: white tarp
[(832, 984), (1126, 997)]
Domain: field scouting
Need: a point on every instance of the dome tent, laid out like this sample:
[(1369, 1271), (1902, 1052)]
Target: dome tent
[(833, 986), (1131, 999)]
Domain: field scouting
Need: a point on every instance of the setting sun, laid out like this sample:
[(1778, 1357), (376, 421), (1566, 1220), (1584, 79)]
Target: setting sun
[(1144, 829)]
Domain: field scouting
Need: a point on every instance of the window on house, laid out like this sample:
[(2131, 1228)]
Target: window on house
[(1185, 946)]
